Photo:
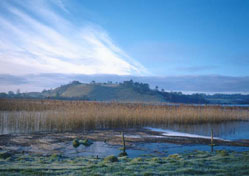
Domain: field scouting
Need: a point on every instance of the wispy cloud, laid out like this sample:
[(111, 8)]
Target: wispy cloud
[(60, 4), (35, 37)]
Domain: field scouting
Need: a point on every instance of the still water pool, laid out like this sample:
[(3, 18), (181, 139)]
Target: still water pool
[(102, 149), (226, 131), (229, 130)]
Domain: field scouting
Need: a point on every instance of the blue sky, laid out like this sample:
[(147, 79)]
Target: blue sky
[(179, 37), (158, 38)]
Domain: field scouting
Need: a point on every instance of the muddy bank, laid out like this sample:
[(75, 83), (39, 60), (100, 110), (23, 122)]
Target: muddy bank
[(105, 141)]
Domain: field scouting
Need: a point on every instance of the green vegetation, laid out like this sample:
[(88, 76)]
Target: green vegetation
[(5, 155), (127, 91), (111, 159), (194, 163), (76, 143), (85, 142)]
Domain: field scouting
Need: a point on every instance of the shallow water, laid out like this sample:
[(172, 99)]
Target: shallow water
[(14, 122), (229, 131), (98, 148), (226, 131), (168, 148), (102, 149), (166, 132)]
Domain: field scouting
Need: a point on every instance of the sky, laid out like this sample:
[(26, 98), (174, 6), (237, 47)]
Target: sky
[(136, 38)]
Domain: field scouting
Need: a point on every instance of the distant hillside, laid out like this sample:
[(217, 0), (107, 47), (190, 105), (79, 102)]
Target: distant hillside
[(104, 92), (127, 91), (227, 98)]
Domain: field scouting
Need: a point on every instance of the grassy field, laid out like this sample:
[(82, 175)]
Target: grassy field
[(194, 163), (54, 115)]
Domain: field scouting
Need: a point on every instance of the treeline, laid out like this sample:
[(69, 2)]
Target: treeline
[(174, 97), (140, 88)]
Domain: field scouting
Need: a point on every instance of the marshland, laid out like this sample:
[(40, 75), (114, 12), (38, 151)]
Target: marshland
[(61, 116), (124, 87), (161, 136)]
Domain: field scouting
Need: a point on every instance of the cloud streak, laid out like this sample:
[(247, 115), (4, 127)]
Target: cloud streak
[(39, 37)]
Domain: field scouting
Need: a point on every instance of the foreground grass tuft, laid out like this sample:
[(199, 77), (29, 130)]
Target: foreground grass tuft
[(111, 159), (194, 163)]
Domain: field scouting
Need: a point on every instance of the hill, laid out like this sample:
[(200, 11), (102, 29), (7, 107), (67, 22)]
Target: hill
[(127, 91), (104, 92)]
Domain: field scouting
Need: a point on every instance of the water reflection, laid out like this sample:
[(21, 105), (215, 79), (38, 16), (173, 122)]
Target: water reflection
[(38, 122), (227, 130)]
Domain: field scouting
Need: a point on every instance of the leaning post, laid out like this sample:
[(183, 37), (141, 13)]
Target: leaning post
[(123, 142), (212, 140), (123, 153)]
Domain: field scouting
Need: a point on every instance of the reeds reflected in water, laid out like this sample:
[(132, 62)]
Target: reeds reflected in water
[(59, 116)]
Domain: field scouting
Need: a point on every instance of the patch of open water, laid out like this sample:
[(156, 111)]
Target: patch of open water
[(102, 149), (228, 130), (98, 148)]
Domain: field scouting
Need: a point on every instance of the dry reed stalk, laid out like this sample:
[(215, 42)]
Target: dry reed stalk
[(55, 115)]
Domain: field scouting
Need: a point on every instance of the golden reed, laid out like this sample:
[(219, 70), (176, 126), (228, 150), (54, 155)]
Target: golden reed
[(56, 115)]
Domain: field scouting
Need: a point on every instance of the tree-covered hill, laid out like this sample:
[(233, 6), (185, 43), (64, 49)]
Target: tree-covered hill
[(127, 91)]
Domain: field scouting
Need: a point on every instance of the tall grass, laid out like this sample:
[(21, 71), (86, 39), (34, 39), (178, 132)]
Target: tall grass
[(59, 116)]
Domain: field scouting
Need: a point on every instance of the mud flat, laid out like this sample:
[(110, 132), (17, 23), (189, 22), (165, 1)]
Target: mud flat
[(151, 151), (105, 142)]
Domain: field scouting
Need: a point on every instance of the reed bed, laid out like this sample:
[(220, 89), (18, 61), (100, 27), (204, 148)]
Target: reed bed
[(60, 116)]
